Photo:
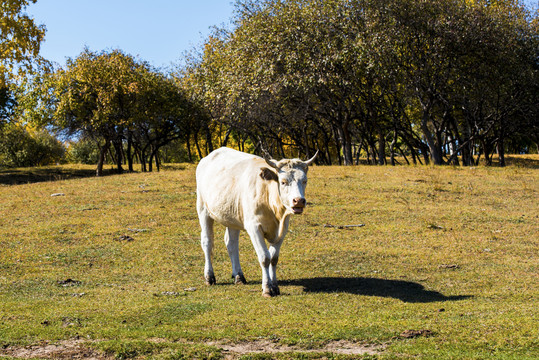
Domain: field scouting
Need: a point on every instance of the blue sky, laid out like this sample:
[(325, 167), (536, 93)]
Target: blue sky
[(158, 31)]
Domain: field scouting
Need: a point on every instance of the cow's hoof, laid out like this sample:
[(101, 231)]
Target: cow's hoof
[(271, 292), (210, 280), (240, 279)]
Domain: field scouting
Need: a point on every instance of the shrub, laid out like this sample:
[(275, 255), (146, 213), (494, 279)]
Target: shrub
[(21, 148), (83, 151)]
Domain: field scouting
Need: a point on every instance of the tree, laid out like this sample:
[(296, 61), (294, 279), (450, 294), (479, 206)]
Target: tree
[(20, 147), (465, 66), (114, 100), (20, 38), (95, 97), (443, 77), (7, 105), (159, 116), (271, 80), (506, 54)]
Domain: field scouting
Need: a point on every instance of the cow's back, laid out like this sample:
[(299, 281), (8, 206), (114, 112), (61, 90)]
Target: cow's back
[(224, 178), (223, 158)]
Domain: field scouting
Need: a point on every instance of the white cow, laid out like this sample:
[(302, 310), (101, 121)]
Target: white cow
[(246, 192)]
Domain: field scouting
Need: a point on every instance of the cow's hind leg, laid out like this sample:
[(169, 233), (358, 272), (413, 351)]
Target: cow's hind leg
[(206, 240), (232, 237)]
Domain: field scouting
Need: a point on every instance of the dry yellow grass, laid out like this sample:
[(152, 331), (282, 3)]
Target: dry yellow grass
[(448, 252)]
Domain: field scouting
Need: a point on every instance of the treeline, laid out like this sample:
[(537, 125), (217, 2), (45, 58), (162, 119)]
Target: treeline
[(438, 81), (122, 105), (441, 81)]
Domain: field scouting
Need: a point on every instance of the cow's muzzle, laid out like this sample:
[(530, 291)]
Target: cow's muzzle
[(298, 204)]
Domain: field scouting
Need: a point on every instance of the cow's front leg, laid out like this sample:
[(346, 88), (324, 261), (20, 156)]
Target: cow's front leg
[(264, 258), (274, 259)]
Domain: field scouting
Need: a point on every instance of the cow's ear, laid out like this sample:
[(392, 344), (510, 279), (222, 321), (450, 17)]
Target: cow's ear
[(268, 174)]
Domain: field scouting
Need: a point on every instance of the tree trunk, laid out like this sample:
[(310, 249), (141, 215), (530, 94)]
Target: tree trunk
[(198, 147), (143, 159), (347, 149), (209, 144), (466, 152), (306, 142), (130, 152), (358, 152), (188, 146), (338, 145), (476, 162), (157, 160), (412, 150), (241, 144), (452, 150), (374, 152), (346, 143), (392, 148), (381, 148), (102, 153), (434, 148), (403, 155), (119, 155), (327, 143), (280, 147), (501, 151), (227, 136)]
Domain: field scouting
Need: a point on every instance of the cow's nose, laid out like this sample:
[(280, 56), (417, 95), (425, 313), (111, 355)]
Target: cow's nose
[(299, 202)]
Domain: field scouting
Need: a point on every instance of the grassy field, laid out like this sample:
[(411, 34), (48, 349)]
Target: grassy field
[(446, 267)]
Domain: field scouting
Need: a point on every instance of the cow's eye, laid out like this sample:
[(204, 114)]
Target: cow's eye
[(284, 182)]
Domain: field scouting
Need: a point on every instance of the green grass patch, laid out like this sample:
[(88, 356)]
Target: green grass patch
[(448, 252)]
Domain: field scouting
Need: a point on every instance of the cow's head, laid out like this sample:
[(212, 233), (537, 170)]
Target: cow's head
[(292, 180)]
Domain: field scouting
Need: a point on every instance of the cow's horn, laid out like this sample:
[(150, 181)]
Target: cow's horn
[(269, 160), (310, 161)]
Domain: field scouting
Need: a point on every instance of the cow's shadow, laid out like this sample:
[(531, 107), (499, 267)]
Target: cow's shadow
[(406, 291)]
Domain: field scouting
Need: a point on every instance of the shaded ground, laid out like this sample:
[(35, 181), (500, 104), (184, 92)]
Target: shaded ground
[(521, 161), (403, 290), (47, 173), (55, 173), (525, 161)]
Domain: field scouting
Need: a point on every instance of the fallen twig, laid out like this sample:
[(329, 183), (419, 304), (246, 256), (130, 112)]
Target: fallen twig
[(343, 226), (449, 266), (138, 230), (410, 334)]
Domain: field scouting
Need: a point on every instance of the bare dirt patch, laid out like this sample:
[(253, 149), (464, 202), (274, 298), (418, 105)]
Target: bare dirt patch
[(69, 349), (266, 346), (79, 349)]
